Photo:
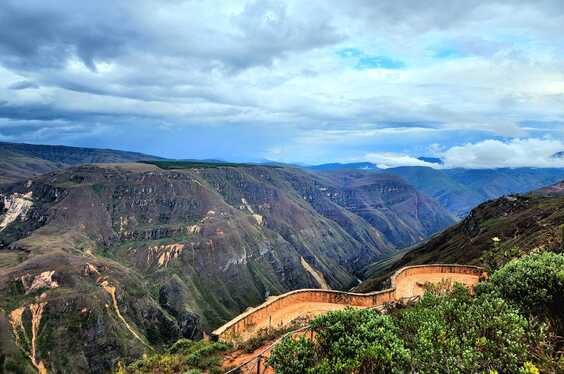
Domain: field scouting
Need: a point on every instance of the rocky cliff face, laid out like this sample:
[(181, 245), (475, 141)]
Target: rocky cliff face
[(99, 263), (396, 209)]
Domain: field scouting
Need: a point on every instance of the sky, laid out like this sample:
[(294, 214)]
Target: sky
[(478, 83)]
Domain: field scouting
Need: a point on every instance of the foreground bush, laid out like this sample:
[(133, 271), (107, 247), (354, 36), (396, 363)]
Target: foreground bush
[(447, 332), (535, 283), (359, 341), (352, 340), (456, 332), (293, 356)]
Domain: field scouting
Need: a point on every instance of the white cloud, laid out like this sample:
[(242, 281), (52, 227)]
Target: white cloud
[(498, 154), (487, 154), (388, 160)]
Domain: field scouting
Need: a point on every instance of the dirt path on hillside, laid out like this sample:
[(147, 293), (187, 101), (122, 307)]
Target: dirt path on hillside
[(234, 359), (248, 361)]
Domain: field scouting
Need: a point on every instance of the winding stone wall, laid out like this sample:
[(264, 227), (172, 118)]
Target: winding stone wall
[(406, 282)]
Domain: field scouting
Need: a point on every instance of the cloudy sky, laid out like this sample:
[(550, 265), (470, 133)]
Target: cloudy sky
[(478, 83)]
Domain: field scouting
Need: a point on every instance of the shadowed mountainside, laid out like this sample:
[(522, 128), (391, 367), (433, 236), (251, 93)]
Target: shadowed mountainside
[(402, 214), (460, 190), (525, 222)]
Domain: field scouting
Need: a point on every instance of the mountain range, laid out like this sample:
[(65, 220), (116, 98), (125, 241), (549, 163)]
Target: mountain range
[(460, 190), (128, 257), (107, 255), (19, 161)]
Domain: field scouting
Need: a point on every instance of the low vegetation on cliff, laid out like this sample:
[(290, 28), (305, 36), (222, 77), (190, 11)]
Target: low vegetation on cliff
[(511, 325), (184, 356)]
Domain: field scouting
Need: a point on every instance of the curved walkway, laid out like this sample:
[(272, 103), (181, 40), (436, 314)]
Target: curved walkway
[(280, 310)]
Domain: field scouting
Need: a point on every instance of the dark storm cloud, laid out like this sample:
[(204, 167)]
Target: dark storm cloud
[(45, 34)]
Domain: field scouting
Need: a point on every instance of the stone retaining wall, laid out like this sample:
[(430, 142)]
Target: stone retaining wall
[(404, 284)]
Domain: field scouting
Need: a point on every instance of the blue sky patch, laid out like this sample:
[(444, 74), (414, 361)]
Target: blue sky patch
[(349, 52), (448, 53), (378, 62), (366, 61)]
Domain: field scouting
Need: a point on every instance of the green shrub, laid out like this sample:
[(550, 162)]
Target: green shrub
[(535, 283), (182, 346), (183, 356), (359, 340), (352, 340), (457, 332), (448, 331), (292, 356)]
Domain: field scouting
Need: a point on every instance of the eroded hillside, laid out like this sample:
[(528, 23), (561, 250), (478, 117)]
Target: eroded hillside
[(123, 258)]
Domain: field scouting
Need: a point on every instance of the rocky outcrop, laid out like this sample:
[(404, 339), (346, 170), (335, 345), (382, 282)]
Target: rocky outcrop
[(44, 280), (15, 206)]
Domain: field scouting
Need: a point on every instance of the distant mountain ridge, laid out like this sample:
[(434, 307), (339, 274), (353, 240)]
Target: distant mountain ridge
[(345, 166), (554, 190), (459, 190), (19, 160)]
